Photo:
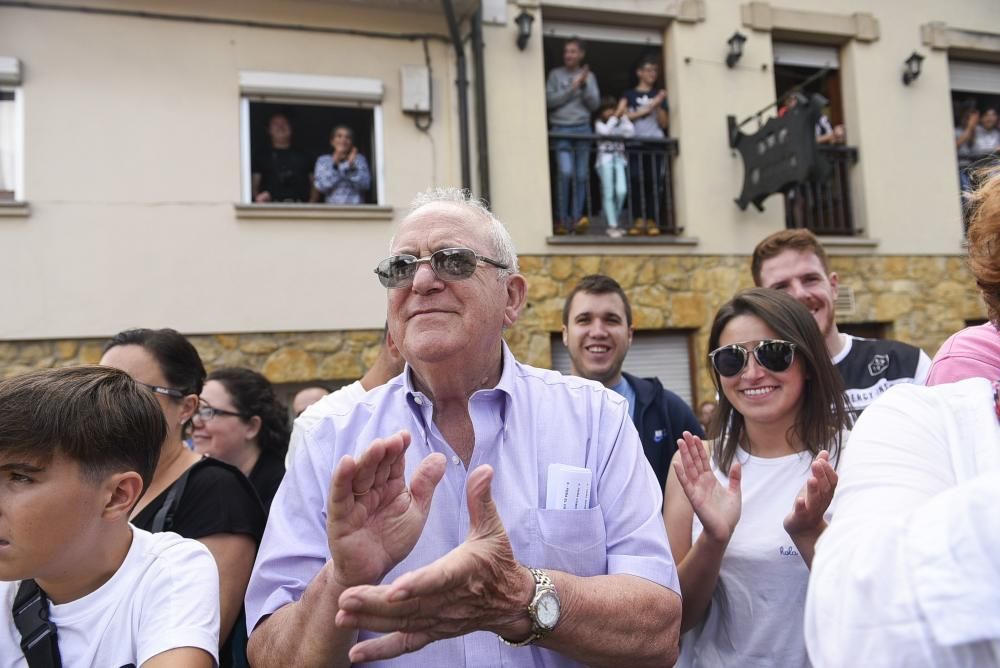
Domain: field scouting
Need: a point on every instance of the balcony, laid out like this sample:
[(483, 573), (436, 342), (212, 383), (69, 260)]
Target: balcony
[(824, 207), (644, 184)]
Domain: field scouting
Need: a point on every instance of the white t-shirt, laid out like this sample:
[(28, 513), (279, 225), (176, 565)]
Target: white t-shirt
[(907, 573), (335, 403), (755, 617), (164, 596)]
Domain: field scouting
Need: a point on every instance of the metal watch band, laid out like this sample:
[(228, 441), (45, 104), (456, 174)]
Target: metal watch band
[(542, 582)]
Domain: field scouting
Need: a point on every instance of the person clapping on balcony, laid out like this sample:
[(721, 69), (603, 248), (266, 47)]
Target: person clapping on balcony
[(342, 177)]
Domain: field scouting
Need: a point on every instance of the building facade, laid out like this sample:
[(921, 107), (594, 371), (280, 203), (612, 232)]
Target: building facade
[(131, 133)]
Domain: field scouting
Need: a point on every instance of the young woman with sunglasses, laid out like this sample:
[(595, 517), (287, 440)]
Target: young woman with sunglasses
[(193, 496), (241, 422), (743, 512)]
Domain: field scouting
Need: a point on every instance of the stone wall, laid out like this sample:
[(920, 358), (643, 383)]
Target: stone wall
[(921, 299)]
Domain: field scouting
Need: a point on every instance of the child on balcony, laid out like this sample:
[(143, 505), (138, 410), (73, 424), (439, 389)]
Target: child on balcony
[(611, 162)]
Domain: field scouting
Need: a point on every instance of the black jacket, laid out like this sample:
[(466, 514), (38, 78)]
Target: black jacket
[(660, 417)]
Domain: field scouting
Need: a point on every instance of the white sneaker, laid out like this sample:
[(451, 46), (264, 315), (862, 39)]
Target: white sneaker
[(615, 232)]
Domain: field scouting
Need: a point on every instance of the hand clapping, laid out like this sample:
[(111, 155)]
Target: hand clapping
[(716, 506)]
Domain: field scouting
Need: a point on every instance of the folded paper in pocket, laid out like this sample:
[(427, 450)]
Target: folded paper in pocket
[(568, 488)]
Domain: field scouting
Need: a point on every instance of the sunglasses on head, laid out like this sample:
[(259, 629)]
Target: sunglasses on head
[(448, 264), (773, 355)]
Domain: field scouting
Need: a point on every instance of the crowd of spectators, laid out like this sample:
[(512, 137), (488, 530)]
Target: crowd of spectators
[(456, 507)]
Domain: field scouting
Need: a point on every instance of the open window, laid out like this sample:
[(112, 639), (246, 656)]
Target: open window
[(641, 190), (288, 126), (975, 98), (823, 207), (11, 132)]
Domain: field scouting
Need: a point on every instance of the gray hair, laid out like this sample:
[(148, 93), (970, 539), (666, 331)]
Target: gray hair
[(503, 245)]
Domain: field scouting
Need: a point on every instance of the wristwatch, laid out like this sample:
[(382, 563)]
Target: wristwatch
[(543, 609)]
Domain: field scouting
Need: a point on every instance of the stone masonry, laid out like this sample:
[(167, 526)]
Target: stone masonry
[(922, 300)]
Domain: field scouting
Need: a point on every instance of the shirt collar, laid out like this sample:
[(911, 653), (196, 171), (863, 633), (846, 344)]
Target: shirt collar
[(508, 375)]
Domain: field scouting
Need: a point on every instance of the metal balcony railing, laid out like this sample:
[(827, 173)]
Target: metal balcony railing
[(824, 207), (648, 179)]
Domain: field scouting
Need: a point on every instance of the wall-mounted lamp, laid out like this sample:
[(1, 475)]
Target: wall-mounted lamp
[(524, 21), (911, 68), (735, 49)]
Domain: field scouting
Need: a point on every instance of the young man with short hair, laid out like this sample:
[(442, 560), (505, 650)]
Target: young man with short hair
[(794, 261), (597, 331), (77, 448)]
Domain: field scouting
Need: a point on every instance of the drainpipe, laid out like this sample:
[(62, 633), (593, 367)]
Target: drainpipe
[(462, 84), (482, 144)]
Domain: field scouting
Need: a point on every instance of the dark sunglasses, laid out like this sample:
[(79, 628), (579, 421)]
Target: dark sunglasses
[(449, 264), (773, 355)]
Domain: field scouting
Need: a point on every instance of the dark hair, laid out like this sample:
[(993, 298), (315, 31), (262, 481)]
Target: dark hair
[(576, 40), (253, 394), (648, 59), (779, 242), (178, 359), (823, 413), (349, 129), (984, 239), (95, 415), (597, 284), (607, 102)]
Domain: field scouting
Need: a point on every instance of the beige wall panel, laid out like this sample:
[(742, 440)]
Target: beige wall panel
[(133, 167)]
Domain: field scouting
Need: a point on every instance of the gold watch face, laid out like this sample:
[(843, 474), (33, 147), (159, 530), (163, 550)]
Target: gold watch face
[(547, 609)]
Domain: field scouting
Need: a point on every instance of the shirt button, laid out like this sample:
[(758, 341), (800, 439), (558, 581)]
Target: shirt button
[(419, 400), (455, 460)]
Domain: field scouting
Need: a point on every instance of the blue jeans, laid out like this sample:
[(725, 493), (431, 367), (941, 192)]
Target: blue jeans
[(572, 160), (614, 188)]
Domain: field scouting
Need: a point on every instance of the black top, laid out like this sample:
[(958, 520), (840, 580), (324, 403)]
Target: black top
[(266, 475), (660, 417), (284, 173), (218, 498)]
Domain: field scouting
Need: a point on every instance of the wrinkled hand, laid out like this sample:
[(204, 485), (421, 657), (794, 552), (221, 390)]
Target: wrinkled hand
[(807, 510), (716, 506), (476, 586), (373, 519)]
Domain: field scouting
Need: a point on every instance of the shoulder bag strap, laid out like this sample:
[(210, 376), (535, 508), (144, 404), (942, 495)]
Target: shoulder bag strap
[(164, 518), (38, 635)]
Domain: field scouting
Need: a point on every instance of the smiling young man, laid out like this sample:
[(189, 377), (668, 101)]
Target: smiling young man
[(77, 448), (794, 262), (597, 331)]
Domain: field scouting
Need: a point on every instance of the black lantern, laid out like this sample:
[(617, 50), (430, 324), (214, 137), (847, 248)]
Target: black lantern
[(524, 21), (735, 48), (911, 68)]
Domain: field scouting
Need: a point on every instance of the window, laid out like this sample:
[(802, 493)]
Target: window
[(664, 354), (11, 134), (288, 124), (822, 206), (975, 99)]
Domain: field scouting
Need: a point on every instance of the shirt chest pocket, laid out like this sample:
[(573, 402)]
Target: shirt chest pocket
[(573, 541)]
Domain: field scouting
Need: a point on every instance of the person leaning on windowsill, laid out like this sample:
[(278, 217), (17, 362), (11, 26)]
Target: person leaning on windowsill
[(342, 177)]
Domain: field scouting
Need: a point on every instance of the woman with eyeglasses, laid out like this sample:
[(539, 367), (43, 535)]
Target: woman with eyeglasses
[(240, 421), (192, 495), (743, 512)]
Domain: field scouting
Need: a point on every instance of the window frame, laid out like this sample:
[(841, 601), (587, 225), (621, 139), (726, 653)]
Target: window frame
[(10, 82), (314, 90)]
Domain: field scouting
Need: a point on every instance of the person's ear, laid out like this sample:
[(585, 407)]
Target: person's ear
[(517, 295), (123, 490), (631, 333), (253, 426), (565, 335), (189, 406), (834, 284)]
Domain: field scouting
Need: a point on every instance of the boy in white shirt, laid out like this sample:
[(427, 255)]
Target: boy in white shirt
[(79, 585)]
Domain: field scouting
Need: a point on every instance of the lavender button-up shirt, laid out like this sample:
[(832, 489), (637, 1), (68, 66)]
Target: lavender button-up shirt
[(531, 419)]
